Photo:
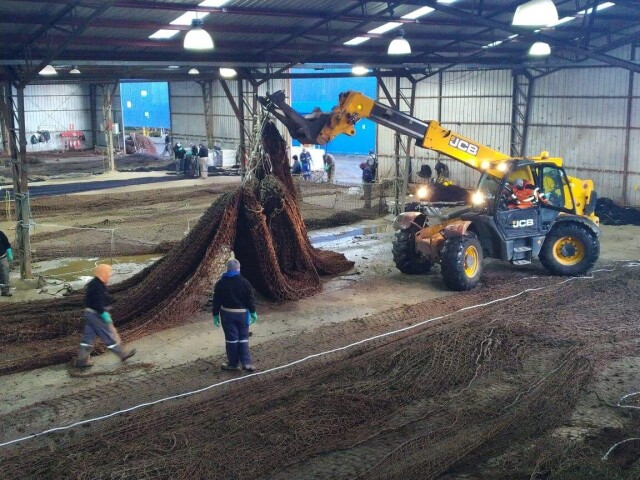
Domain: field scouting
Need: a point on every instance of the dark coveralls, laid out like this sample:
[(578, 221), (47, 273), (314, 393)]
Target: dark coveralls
[(97, 300), (4, 264), (233, 300)]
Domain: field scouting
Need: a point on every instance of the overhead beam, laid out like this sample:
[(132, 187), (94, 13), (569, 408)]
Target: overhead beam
[(533, 37)]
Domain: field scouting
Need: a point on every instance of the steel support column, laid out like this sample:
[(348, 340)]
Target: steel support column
[(627, 140), (21, 192), (243, 128), (402, 172), (522, 88), (107, 101), (207, 99), (94, 112)]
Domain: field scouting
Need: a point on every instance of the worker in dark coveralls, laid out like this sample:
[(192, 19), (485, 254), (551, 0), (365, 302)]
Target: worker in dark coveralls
[(6, 256), (234, 307), (98, 321)]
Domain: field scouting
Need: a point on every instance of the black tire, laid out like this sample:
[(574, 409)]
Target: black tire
[(405, 257), (569, 249), (461, 262)]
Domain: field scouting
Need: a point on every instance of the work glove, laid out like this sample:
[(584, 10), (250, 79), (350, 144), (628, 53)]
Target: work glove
[(10, 254), (216, 320), (253, 317), (106, 316)]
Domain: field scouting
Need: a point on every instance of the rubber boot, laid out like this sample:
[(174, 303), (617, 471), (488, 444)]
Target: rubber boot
[(84, 359), (123, 354)]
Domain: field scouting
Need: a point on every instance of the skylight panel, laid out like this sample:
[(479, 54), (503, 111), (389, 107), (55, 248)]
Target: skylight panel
[(356, 41), (187, 17), (561, 21), (163, 34), (421, 12), (385, 28), (493, 44), (602, 6), (213, 3)]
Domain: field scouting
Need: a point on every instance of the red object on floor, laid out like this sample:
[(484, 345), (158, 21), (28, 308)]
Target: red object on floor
[(73, 139)]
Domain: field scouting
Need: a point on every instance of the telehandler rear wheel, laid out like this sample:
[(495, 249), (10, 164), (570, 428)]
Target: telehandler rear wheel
[(405, 257), (569, 249), (461, 262)]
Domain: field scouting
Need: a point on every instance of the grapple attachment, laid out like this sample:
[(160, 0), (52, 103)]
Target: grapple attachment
[(305, 129)]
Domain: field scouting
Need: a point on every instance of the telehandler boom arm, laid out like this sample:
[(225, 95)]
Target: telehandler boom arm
[(353, 106)]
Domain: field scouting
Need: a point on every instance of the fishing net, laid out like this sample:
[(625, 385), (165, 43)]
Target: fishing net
[(484, 393), (259, 222)]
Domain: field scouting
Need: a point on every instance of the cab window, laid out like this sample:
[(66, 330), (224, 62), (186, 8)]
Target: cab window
[(555, 187)]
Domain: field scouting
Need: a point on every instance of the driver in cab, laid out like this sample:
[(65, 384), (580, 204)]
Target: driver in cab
[(524, 194)]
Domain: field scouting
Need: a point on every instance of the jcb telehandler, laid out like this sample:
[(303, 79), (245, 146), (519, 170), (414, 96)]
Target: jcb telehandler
[(562, 232)]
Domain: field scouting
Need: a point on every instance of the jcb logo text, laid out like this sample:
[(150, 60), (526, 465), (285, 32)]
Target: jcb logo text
[(528, 222), (463, 145)]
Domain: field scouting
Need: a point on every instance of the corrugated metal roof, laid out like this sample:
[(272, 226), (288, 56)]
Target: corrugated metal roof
[(109, 36)]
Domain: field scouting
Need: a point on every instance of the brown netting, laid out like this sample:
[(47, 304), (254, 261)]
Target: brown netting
[(137, 143), (484, 393), (259, 221)]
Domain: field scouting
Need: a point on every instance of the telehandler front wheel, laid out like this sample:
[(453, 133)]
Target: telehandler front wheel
[(405, 257), (569, 249), (461, 262)]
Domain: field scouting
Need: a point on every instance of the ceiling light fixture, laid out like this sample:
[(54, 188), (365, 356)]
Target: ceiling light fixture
[(197, 38), (194, 71), (74, 71), (359, 70), (540, 49), (48, 70), (399, 45), (535, 13), (227, 72)]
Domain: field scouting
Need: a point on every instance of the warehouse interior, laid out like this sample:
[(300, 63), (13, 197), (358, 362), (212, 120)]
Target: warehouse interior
[(367, 366)]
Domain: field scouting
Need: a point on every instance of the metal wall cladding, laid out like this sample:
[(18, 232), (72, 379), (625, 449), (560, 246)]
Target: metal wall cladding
[(583, 147), (635, 106), (475, 83), (56, 108), (187, 111), (481, 110), (583, 82), (633, 189), (595, 112)]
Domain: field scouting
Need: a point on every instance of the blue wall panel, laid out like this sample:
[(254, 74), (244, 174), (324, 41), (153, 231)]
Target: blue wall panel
[(145, 104), (306, 94)]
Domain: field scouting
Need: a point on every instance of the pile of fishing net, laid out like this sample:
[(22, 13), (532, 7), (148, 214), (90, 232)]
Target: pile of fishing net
[(259, 222)]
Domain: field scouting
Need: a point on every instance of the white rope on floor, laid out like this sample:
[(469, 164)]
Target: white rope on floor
[(296, 362)]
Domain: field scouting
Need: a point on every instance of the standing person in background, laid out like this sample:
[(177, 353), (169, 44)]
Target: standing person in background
[(329, 166), (367, 183), (234, 307), (296, 168), (97, 320), (6, 256), (180, 154), (167, 145), (372, 161), (306, 162), (203, 157)]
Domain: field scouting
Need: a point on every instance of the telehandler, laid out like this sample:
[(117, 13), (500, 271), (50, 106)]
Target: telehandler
[(558, 225)]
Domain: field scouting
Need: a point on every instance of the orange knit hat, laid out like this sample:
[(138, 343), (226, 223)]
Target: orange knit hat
[(103, 272)]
